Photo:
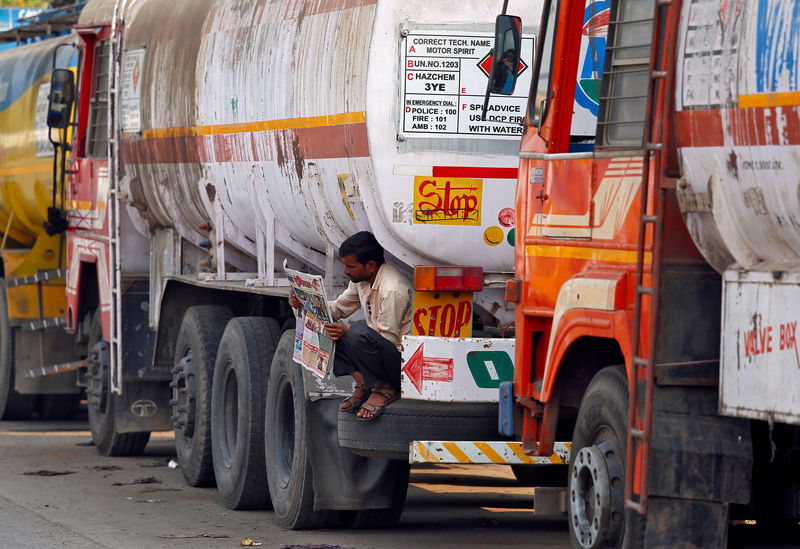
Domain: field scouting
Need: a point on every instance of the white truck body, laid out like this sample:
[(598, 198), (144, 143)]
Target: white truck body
[(739, 192)]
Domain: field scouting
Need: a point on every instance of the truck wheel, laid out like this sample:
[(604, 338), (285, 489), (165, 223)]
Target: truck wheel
[(101, 402), (58, 406), (13, 405), (290, 477), (597, 516), (404, 421), (237, 411), (383, 518), (193, 370)]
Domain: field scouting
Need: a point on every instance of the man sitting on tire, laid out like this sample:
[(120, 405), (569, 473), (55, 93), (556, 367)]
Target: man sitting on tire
[(369, 352)]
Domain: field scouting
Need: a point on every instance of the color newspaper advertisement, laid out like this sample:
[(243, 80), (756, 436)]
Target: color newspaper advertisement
[(312, 348)]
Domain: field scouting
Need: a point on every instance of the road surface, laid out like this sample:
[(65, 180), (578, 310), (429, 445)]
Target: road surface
[(57, 491)]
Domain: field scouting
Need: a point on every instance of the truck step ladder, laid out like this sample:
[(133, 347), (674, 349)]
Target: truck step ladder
[(640, 407), (114, 256)]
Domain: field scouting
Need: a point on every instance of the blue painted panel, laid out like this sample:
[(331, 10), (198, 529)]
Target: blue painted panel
[(778, 46)]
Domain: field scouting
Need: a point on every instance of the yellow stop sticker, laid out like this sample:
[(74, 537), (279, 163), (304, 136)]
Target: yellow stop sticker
[(442, 314)]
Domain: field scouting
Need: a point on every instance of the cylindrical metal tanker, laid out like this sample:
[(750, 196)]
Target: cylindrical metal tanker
[(738, 122), (739, 131), (26, 155), (324, 119)]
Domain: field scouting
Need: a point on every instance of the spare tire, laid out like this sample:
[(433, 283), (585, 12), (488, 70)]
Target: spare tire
[(404, 421)]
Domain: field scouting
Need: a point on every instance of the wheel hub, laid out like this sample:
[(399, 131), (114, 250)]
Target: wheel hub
[(183, 396), (596, 496)]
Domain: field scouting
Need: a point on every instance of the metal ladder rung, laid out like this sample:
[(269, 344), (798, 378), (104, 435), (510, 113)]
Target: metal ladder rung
[(639, 361), (637, 433), (631, 22), (625, 73), (627, 47), (649, 219), (620, 122), (618, 97), (644, 290)]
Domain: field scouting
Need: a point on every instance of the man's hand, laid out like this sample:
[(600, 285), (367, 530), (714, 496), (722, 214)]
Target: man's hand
[(335, 330), (294, 302)]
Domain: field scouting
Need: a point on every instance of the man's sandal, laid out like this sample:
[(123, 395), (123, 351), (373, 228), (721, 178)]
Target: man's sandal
[(377, 409), (352, 404)]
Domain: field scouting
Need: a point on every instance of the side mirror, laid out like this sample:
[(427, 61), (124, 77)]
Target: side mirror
[(62, 94), (505, 58)]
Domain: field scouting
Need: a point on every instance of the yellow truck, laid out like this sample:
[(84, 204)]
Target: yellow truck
[(38, 359)]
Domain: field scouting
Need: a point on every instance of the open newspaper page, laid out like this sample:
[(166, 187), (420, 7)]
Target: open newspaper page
[(312, 348)]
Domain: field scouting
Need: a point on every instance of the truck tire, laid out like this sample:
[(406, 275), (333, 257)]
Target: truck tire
[(193, 369), (596, 494), (404, 421), (13, 405), (237, 411), (382, 518), (289, 472), (58, 406), (101, 402)]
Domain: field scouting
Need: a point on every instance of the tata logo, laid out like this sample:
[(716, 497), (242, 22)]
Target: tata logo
[(144, 408)]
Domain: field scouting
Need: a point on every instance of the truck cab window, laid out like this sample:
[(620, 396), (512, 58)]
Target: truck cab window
[(98, 115), (591, 60), (626, 79), (590, 72)]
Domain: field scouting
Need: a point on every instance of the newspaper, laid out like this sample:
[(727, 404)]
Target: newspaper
[(312, 348)]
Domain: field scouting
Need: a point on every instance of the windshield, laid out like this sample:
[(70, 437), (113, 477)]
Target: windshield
[(543, 62)]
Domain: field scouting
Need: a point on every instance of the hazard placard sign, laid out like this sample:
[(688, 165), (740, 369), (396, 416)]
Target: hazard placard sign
[(445, 75)]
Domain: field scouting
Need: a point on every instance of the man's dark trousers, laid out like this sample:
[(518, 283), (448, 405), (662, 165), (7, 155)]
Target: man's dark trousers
[(365, 350)]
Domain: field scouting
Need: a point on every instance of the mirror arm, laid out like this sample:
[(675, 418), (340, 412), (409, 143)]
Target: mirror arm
[(541, 115), (486, 97), (55, 52)]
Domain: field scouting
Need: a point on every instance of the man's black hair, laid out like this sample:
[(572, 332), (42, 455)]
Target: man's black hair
[(364, 246)]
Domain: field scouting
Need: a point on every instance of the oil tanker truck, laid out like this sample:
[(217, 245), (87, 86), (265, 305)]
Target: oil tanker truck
[(38, 360), (216, 140), (657, 256)]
